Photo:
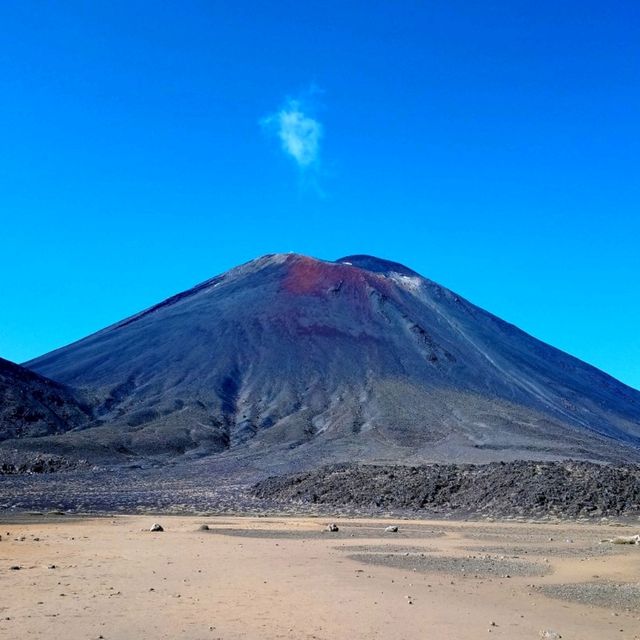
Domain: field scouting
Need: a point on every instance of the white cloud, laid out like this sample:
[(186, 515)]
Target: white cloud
[(299, 133)]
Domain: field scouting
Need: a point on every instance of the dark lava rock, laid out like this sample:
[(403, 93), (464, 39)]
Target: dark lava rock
[(514, 488), (23, 464)]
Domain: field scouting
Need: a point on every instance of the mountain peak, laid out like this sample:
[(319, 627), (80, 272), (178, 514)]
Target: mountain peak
[(360, 358), (376, 265), (365, 262)]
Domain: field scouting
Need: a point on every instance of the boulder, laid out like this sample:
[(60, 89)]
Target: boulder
[(624, 540)]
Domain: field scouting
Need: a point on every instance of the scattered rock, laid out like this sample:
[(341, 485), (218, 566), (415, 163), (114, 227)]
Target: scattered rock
[(548, 634)]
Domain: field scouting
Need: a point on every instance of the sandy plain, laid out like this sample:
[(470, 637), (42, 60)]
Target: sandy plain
[(270, 577)]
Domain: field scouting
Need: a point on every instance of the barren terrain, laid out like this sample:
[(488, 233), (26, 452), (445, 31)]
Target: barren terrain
[(267, 577)]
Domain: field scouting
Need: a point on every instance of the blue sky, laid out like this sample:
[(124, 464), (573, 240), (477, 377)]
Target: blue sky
[(494, 147)]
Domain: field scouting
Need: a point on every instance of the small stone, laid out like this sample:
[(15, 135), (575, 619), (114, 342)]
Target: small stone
[(156, 527), (333, 527), (391, 529), (204, 527), (14, 567)]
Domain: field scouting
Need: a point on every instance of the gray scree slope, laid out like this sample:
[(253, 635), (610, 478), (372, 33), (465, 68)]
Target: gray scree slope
[(297, 361)]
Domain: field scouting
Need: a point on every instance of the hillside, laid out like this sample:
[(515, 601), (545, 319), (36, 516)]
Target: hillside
[(32, 406)]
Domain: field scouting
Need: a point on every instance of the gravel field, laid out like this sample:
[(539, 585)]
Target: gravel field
[(625, 597), (384, 548), (536, 535), (568, 550), (471, 567)]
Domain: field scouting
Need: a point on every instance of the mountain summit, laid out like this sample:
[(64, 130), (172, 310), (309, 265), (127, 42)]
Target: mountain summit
[(377, 265), (360, 359)]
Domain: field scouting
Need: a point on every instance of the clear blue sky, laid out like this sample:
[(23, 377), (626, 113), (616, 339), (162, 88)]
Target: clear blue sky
[(492, 146)]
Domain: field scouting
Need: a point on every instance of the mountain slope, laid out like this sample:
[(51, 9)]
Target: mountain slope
[(32, 406), (356, 359)]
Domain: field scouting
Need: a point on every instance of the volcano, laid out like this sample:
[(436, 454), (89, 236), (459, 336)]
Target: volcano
[(291, 357)]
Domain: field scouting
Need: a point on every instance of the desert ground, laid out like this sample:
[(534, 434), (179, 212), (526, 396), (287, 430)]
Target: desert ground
[(287, 577)]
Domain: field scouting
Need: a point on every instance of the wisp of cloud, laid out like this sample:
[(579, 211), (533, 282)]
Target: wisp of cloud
[(299, 133)]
